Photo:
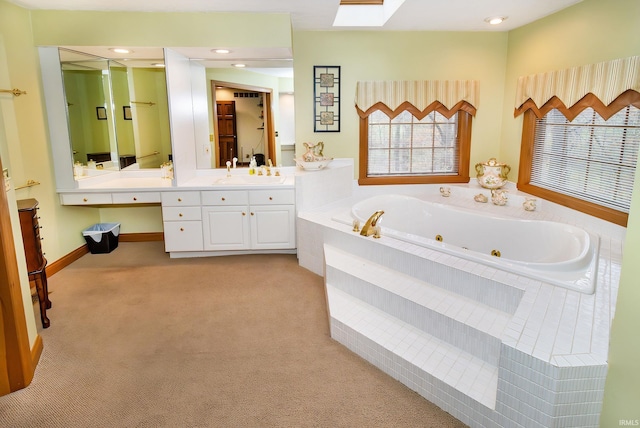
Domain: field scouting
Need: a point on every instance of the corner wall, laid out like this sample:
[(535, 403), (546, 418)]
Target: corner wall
[(589, 32)]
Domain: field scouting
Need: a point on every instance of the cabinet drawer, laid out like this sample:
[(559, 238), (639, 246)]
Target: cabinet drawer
[(176, 199), (225, 197), (85, 198), (181, 213), (270, 197), (183, 236), (136, 198)]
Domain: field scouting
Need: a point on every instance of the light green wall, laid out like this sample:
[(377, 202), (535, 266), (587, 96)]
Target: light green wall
[(124, 128), (85, 91), (591, 31), (81, 28), (371, 55), (30, 155), (151, 123)]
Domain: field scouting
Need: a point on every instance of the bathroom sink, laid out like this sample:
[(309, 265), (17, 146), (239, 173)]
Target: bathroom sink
[(251, 179)]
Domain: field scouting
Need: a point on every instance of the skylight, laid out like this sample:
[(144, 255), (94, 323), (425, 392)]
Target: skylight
[(365, 13)]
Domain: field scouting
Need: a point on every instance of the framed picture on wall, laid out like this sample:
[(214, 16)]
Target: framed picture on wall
[(326, 98), (101, 113)]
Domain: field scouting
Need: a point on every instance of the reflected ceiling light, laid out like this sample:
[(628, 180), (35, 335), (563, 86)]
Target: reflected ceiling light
[(121, 50), (221, 51), (157, 64), (495, 20), (239, 65)]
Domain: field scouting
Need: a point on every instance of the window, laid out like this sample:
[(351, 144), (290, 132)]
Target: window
[(415, 131), (408, 148), (587, 163)]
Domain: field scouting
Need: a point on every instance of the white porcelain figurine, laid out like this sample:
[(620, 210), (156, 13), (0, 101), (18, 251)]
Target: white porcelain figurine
[(529, 204), (445, 191), (499, 197)]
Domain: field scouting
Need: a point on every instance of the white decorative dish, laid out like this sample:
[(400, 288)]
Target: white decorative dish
[(314, 165)]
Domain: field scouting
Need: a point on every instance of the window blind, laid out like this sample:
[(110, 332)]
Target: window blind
[(588, 158)]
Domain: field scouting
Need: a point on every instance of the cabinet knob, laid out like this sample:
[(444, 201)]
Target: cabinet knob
[(135, 199), (179, 199), (180, 215), (251, 213), (182, 229), (244, 213), (270, 198), (84, 199), (222, 199)]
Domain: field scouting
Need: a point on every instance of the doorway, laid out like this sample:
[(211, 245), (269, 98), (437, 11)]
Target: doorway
[(254, 130), (227, 131)]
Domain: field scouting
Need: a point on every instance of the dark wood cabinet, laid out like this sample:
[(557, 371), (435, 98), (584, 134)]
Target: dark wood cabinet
[(36, 263)]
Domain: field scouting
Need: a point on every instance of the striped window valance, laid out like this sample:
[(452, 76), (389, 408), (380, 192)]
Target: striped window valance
[(419, 97), (605, 86)]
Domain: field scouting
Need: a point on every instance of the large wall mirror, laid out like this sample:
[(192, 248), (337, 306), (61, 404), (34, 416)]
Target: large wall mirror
[(117, 108), (246, 116)]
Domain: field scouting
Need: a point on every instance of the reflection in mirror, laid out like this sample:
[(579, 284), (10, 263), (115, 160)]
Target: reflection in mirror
[(254, 91), (117, 111), (87, 92)]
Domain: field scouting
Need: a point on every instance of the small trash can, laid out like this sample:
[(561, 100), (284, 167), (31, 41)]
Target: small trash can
[(102, 237)]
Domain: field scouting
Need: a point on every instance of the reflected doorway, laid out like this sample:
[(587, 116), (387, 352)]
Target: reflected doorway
[(254, 129), (227, 131)]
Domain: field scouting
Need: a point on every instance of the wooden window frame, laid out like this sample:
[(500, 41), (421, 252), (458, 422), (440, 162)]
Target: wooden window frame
[(527, 146), (464, 147)]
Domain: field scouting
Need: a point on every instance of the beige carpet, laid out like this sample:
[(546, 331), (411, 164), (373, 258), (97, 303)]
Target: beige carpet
[(141, 340)]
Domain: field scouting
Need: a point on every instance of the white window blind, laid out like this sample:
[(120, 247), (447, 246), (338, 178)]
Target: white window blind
[(588, 158), (406, 145)]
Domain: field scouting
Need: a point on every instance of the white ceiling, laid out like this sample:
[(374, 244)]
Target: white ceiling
[(413, 15)]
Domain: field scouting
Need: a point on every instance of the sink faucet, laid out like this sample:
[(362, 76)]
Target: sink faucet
[(369, 227), (228, 169)]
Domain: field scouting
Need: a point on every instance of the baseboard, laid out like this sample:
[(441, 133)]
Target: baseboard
[(65, 261), (36, 352), (141, 237)]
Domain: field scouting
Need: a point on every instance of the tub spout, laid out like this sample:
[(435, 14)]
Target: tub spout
[(369, 227)]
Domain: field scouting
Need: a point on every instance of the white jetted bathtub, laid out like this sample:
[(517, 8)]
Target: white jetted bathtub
[(556, 253)]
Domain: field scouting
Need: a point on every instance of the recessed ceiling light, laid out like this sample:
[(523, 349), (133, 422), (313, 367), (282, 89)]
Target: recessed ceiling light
[(239, 65), (495, 20), (120, 50), (221, 51)]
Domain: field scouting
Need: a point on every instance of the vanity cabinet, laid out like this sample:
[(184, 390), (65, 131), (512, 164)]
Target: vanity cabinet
[(248, 220), (182, 221)]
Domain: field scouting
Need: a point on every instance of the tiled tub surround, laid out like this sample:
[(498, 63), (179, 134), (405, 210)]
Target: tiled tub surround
[(491, 347)]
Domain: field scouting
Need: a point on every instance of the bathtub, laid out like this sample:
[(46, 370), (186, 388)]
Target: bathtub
[(556, 253)]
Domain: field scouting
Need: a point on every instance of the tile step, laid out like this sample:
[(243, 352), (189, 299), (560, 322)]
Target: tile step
[(466, 373), (461, 309)]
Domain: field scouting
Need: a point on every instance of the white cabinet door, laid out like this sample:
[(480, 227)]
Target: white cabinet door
[(273, 227), (225, 227)]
